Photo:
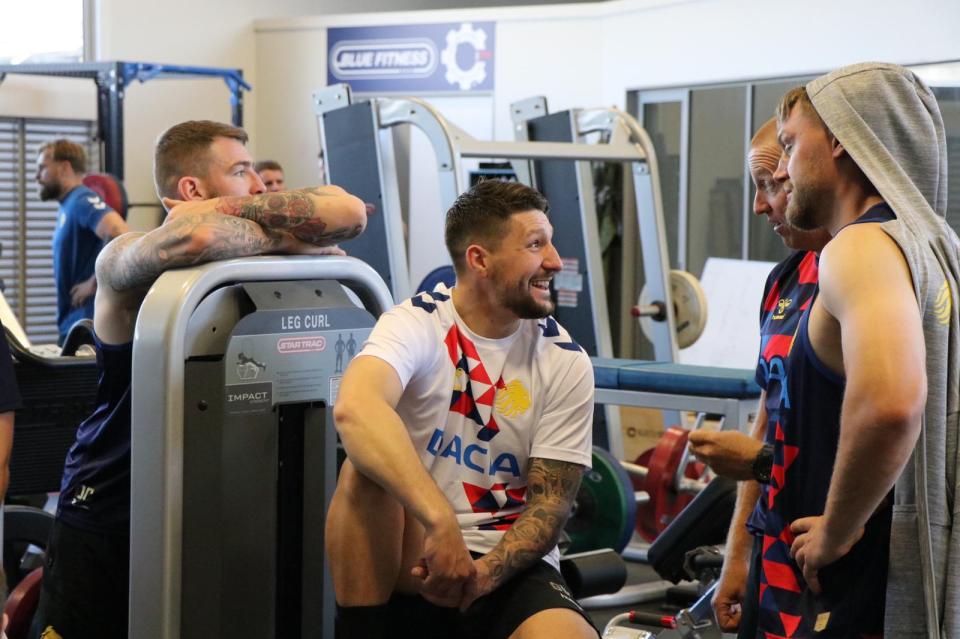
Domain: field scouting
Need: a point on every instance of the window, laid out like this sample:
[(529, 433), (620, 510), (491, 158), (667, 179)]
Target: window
[(701, 136), (48, 31)]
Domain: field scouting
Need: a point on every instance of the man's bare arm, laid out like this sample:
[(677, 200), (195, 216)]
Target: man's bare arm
[(731, 588), (135, 260), (551, 489), (321, 215), (865, 284), (110, 226), (379, 446), (868, 288)]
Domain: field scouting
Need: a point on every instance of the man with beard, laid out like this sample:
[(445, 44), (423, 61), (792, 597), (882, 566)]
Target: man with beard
[(84, 224), (871, 376), (466, 418), (220, 211), (749, 458)]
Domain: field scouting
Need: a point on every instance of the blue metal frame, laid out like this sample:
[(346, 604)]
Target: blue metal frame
[(111, 79)]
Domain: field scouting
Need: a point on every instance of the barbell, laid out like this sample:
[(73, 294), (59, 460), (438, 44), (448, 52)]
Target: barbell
[(689, 308)]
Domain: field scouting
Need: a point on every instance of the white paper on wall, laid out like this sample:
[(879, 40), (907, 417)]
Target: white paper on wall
[(734, 289)]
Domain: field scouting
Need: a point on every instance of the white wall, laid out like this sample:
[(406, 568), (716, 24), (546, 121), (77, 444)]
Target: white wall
[(709, 41)]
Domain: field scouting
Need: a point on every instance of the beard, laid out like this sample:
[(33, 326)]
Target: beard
[(808, 207), (519, 300), (50, 191)]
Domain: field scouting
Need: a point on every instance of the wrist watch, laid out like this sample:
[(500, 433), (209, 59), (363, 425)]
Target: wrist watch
[(763, 464)]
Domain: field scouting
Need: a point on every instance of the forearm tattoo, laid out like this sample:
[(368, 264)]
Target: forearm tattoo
[(134, 261), (551, 489), (293, 211)]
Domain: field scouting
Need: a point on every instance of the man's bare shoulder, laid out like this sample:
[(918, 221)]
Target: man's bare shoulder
[(860, 250), (863, 265)]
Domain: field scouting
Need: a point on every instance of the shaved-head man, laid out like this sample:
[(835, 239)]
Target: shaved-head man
[(789, 288)]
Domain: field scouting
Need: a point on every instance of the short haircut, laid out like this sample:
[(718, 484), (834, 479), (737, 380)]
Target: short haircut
[(267, 165), (479, 216), (183, 149), (797, 96), (63, 150)]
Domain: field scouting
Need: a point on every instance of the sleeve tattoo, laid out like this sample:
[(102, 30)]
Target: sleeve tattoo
[(136, 260), (551, 489), (295, 212)]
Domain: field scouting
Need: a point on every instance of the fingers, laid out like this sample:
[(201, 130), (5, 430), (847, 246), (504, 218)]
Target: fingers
[(470, 594), (728, 615), (812, 578), (420, 571), (445, 598), (169, 202), (806, 524)]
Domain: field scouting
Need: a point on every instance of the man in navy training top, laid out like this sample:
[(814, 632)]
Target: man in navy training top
[(749, 458), (84, 224), (218, 210)]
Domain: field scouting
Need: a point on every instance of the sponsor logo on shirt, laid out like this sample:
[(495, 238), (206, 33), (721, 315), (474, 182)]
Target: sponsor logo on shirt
[(513, 400), (472, 456), (96, 202), (782, 305), (944, 304), (83, 495)]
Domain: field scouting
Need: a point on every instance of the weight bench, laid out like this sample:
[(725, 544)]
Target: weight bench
[(730, 393)]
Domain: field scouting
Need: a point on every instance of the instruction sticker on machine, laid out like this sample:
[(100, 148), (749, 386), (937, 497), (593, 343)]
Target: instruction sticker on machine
[(568, 282), (266, 365)]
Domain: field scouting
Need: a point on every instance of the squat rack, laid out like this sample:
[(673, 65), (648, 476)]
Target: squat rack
[(112, 78)]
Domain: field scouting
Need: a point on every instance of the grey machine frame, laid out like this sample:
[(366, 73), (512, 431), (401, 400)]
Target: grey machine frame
[(357, 147), (177, 321)]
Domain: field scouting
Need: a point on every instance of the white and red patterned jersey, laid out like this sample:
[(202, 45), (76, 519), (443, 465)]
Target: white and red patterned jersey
[(477, 408)]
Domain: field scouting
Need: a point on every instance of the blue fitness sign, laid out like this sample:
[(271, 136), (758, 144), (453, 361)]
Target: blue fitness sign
[(454, 57)]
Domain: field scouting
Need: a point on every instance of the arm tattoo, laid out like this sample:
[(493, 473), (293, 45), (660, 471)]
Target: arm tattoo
[(293, 211), (134, 261), (551, 488)]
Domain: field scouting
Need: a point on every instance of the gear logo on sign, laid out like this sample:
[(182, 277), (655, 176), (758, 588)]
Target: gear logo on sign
[(465, 78)]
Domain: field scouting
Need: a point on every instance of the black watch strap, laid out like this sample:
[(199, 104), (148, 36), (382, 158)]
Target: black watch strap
[(763, 464)]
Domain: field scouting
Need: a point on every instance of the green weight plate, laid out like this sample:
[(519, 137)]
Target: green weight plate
[(605, 510)]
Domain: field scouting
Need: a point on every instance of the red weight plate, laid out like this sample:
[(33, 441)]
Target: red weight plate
[(665, 502)]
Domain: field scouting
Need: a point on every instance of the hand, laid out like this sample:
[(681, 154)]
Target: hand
[(83, 291), (728, 453), (179, 208), (446, 566), (729, 595), (287, 244), (328, 250), (813, 549), (481, 584)]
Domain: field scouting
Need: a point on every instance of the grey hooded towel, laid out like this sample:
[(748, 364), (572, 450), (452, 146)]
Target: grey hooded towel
[(888, 120)]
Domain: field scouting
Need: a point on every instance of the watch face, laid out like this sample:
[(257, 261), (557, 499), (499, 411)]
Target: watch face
[(763, 464)]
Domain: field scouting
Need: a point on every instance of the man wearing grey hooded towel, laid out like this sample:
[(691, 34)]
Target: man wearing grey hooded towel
[(886, 120)]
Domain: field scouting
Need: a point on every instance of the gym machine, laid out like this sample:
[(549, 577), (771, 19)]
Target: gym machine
[(360, 159), (236, 367)]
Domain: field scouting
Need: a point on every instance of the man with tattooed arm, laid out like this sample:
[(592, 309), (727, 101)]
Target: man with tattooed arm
[(467, 420), (219, 210)]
